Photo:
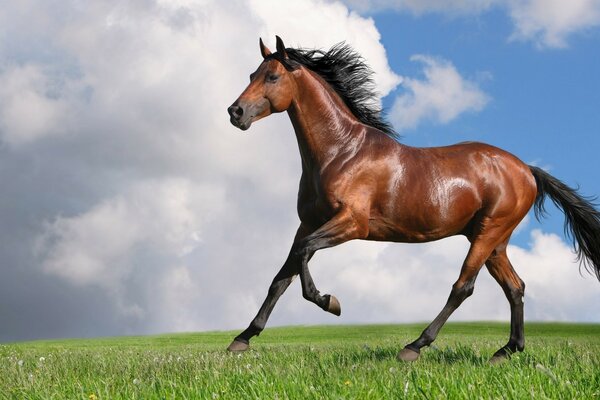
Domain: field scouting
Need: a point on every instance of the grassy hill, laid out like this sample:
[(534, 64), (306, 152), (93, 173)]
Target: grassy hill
[(318, 362)]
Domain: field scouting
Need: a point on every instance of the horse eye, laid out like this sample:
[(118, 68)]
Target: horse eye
[(272, 78)]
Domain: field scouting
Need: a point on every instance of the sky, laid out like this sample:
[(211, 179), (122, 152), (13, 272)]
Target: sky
[(130, 205)]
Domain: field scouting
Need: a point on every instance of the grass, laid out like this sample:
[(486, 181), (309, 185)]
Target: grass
[(561, 361)]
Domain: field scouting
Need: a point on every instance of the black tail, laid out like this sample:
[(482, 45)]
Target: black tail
[(582, 219)]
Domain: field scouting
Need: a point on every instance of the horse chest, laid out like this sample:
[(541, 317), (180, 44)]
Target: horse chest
[(316, 203)]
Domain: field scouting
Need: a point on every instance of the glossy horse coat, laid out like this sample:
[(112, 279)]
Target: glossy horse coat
[(359, 182)]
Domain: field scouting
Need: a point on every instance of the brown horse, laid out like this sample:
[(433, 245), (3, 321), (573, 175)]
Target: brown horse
[(359, 182)]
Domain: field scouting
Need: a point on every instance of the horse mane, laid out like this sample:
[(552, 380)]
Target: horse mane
[(351, 78)]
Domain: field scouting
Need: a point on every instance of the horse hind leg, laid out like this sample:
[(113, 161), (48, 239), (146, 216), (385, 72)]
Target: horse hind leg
[(501, 269), (491, 234), (479, 252)]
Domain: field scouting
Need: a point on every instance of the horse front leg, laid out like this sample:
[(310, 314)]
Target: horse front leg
[(342, 227), (280, 283)]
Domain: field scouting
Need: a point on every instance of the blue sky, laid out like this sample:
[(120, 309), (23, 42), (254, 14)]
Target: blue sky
[(130, 204)]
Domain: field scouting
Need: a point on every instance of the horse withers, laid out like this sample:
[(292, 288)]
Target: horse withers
[(359, 182)]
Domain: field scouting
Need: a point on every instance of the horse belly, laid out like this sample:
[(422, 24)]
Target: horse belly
[(413, 233), (432, 218)]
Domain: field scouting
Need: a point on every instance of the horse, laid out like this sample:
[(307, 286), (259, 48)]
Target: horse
[(360, 182)]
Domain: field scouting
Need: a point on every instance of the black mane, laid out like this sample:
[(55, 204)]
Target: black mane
[(346, 72)]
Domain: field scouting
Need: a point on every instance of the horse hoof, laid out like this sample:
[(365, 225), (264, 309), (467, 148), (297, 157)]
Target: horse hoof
[(407, 354), (498, 359), (237, 347), (334, 306)]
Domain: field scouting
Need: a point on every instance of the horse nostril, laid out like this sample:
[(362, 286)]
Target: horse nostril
[(230, 110), (235, 111)]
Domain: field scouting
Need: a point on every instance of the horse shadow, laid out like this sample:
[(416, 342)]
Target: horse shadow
[(449, 355)]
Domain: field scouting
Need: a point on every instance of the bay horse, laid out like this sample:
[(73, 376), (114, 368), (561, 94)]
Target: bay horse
[(359, 182)]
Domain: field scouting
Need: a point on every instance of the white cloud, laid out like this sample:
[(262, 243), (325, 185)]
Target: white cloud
[(441, 96), (547, 23), (145, 234), (99, 247), (32, 104), (419, 7)]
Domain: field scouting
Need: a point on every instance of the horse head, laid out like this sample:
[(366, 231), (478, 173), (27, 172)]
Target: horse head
[(270, 90)]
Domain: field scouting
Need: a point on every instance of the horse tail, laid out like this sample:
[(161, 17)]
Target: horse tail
[(582, 219)]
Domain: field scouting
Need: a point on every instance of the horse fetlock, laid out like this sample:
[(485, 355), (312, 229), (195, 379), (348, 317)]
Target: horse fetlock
[(426, 338), (256, 328), (507, 351), (516, 345), (309, 296)]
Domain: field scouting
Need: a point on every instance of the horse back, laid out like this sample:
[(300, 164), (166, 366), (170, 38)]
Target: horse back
[(429, 193)]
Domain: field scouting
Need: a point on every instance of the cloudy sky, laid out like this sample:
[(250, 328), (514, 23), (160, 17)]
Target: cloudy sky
[(130, 205)]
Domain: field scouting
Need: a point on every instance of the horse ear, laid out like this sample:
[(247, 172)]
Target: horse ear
[(281, 48), (263, 49)]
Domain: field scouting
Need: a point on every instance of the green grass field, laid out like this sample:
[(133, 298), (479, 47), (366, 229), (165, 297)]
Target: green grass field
[(561, 361)]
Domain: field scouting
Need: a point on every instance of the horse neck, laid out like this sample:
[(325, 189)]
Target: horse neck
[(324, 125)]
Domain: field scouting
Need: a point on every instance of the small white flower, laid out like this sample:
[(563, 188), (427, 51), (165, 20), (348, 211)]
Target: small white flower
[(20, 363), (42, 359), (136, 381)]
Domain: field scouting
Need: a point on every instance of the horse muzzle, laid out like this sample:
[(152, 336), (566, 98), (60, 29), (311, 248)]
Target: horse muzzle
[(238, 117)]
